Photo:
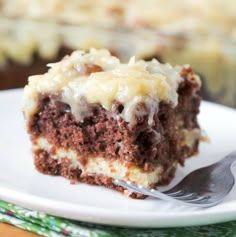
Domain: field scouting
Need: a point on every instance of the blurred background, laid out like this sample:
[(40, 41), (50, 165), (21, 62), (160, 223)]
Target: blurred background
[(197, 32)]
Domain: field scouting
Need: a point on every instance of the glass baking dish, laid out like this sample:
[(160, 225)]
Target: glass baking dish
[(26, 42)]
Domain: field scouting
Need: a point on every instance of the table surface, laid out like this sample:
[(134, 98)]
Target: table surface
[(12, 231)]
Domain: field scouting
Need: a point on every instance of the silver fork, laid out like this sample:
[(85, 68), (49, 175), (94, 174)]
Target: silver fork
[(204, 187)]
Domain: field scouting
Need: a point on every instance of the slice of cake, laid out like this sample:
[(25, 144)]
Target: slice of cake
[(93, 119)]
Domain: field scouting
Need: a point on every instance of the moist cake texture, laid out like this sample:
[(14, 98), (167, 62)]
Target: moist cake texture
[(94, 119)]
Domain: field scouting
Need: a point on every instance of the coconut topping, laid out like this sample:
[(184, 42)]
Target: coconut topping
[(98, 77)]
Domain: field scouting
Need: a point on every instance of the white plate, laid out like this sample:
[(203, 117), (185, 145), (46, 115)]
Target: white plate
[(21, 184)]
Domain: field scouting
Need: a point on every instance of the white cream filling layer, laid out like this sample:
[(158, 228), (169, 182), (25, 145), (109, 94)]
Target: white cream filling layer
[(109, 168)]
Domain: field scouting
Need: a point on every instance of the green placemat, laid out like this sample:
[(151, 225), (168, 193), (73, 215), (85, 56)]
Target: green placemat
[(51, 226)]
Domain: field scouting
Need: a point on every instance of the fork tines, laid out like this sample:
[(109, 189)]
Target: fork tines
[(179, 196)]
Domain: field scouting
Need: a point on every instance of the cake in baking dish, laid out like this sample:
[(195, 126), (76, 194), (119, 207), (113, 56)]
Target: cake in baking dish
[(193, 32), (94, 119)]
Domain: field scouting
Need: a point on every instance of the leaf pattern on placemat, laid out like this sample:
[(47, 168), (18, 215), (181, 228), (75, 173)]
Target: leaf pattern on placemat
[(51, 226)]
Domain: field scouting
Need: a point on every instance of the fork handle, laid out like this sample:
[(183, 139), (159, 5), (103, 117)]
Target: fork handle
[(229, 160)]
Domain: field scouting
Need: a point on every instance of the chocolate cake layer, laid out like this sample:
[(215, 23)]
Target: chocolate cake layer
[(100, 134), (94, 119)]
